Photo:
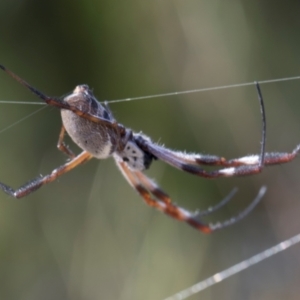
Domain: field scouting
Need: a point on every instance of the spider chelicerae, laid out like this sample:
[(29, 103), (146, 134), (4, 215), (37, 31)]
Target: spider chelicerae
[(93, 128)]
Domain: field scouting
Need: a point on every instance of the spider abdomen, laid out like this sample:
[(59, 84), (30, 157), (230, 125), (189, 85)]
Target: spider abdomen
[(89, 136), (94, 138)]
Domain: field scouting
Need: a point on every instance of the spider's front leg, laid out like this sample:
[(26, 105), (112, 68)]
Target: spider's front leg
[(38, 182), (62, 104)]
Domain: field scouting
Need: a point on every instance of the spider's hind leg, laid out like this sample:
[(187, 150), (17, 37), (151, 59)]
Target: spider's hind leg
[(154, 196)]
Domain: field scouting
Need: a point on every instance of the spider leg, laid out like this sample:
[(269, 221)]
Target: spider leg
[(161, 195), (179, 163), (250, 164), (61, 144), (270, 158), (62, 104), (216, 207), (243, 213), (246, 165), (36, 183), (164, 205), (146, 188)]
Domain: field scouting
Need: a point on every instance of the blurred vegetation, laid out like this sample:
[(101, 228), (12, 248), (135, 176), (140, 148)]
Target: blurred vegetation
[(89, 235)]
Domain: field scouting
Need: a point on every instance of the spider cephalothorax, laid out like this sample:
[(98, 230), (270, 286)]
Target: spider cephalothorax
[(93, 128)]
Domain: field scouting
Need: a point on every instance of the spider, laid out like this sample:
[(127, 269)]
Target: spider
[(93, 128)]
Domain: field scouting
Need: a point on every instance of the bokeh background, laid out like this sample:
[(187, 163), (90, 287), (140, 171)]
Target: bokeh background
[(89, 235)]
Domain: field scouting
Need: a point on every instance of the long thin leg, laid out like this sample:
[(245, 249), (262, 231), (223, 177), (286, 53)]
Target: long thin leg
[(236, 167), (169, 209), (145, 187), (161, 195), (216, 207), (247, 165), (271, 158), (61, 144), (36, 183), (180, 164), (61, 104)]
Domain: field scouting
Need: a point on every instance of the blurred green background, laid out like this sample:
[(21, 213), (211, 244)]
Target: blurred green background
[(89, 235)]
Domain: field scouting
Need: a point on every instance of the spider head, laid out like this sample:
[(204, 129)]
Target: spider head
[(85, 93), (83, 89), (83, 98)]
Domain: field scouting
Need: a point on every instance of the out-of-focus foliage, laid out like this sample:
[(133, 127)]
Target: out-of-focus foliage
[(88, 235)]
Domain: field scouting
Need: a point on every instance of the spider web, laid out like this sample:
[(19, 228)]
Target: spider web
[(148, 97), (234, 269)]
